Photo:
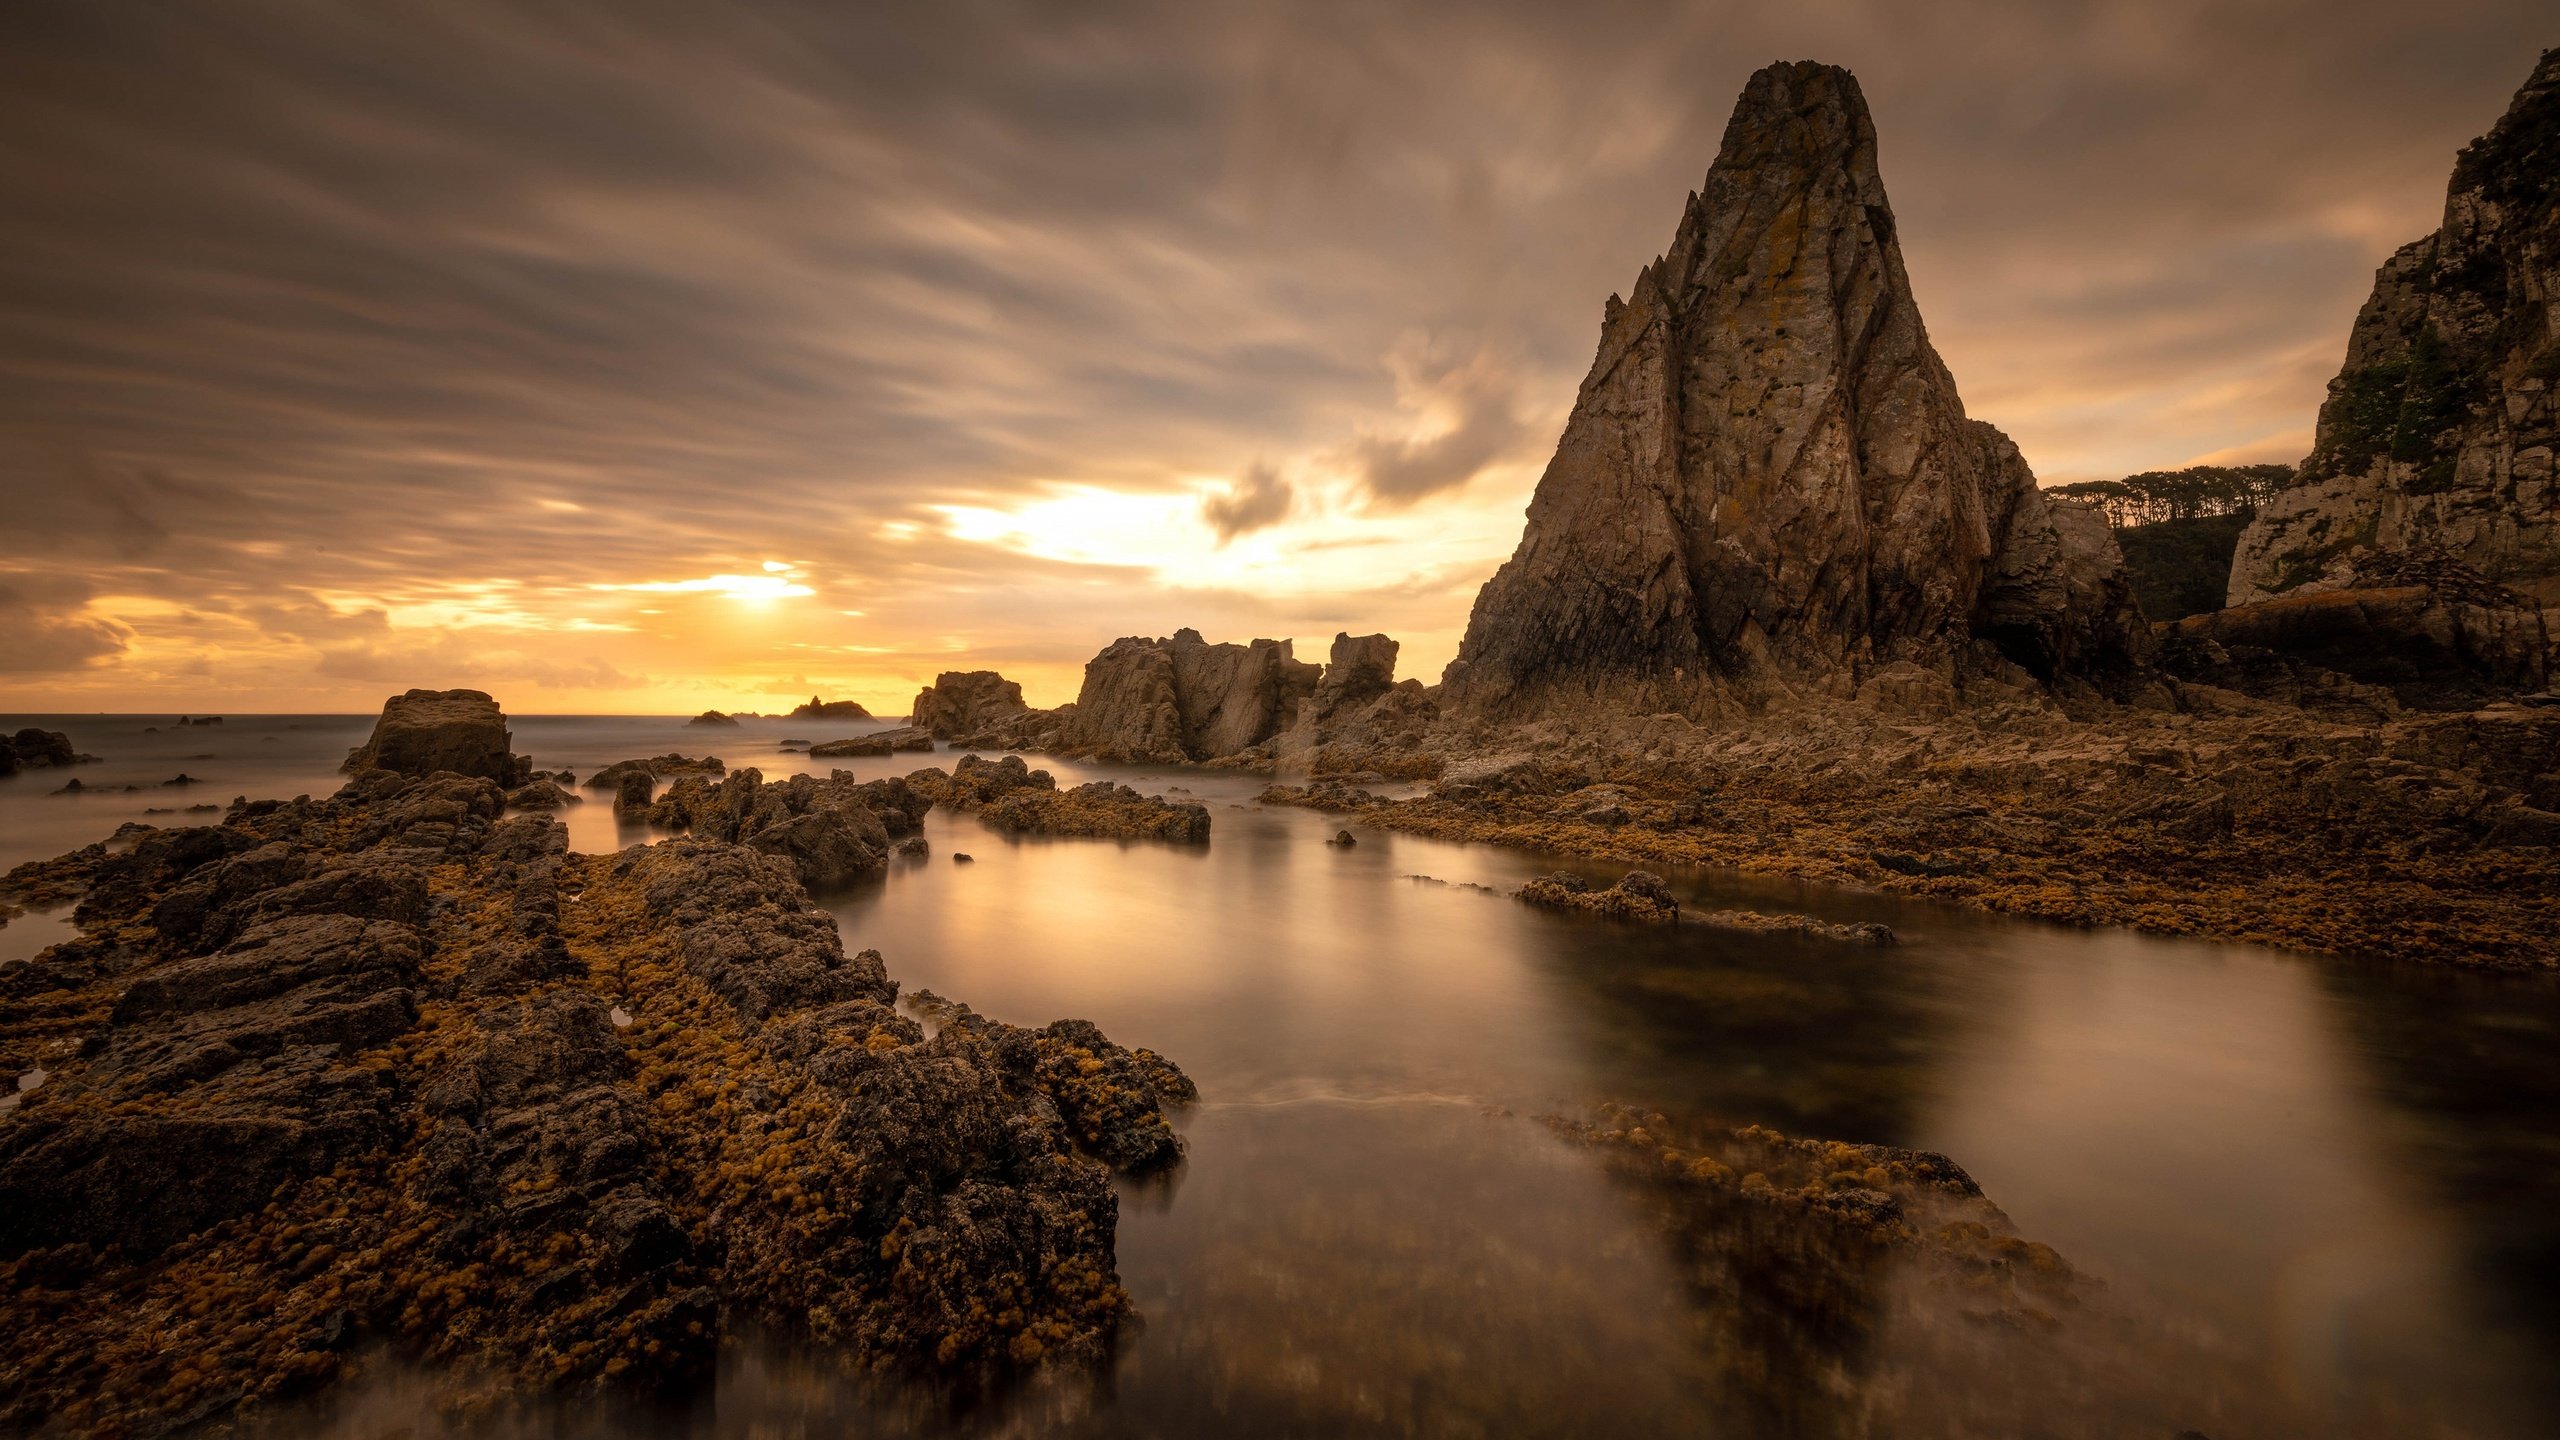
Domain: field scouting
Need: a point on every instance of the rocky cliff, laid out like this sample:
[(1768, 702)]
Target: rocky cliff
[(1183, 699), (2440, 430), (1768, 481)]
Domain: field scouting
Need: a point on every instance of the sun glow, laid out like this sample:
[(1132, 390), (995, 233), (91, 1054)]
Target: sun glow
[(755, 589)]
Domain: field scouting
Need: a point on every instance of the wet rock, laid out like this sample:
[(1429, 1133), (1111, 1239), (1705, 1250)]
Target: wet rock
[(966, 702), (424, 731), (634, 790), (1344, 839), (1011, 796), (881, 742), (962, 858), (542, 794), (1638, 895), (657, 768), (711, 719), (1768, 481)]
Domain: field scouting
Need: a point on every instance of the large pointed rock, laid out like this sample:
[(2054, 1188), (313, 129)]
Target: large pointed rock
[(1768, 481)]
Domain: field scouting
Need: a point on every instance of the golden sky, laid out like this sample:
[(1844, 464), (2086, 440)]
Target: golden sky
[(629, 357)]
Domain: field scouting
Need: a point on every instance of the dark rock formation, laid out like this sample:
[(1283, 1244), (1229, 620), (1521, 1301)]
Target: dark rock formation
[(34, 749), (832, 830), (542, 793), (1768, 481), (1011, 796), (2416, 623), (2441, 429), (656, 767), (818, 709), (1361, 669), (426, 731), (879, 742), (1184, 699), (965, 702), (393, 1070), (711, 719)]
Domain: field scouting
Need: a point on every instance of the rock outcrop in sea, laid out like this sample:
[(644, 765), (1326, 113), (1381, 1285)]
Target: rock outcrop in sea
[(1184, 699), (462, 732), (1768, 483), (962, 703), (395, 1071), (817, 709), (2440, 431), (31, 748)]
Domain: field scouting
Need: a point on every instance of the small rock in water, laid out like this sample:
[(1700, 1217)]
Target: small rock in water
[(912, 845), (182, 778), (1343, 838), (961, 857)]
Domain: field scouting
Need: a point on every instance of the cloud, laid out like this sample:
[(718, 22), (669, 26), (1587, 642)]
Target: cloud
[(45, 627), (1256, 500), (1467, 403)]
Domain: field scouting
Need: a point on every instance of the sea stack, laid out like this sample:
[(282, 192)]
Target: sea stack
[(2439, 433), (1768, 484)]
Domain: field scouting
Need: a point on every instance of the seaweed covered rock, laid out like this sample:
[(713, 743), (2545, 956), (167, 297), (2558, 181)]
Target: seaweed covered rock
[(424, 731), (393, 1070), (1638, 895), (1113, 1100), (1011, 796), (832, 829)]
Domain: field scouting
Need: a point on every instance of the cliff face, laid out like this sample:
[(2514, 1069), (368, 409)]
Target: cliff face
[(1768, 480), (1184, 699), (2439, 432)]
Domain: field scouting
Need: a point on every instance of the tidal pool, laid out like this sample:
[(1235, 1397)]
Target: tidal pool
[(2311, 1197)]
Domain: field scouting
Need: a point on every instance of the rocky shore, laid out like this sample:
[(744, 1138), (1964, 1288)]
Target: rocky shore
[(393, 1071)]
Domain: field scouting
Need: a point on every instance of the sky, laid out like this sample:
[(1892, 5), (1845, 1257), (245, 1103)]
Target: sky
[(638, 357)]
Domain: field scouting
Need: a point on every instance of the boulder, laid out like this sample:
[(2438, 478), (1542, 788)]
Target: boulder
[(965, 702), (711, 719), (425, 731), (32, 749), (1768, 481)]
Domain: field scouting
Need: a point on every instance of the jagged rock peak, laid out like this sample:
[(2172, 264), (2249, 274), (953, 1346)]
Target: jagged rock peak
[(2440, 430), (1768, 480)]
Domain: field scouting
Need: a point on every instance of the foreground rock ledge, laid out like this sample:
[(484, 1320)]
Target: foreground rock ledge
[(394, 1068)]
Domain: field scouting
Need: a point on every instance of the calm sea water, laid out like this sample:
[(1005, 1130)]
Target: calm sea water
[(2341, 1181)]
